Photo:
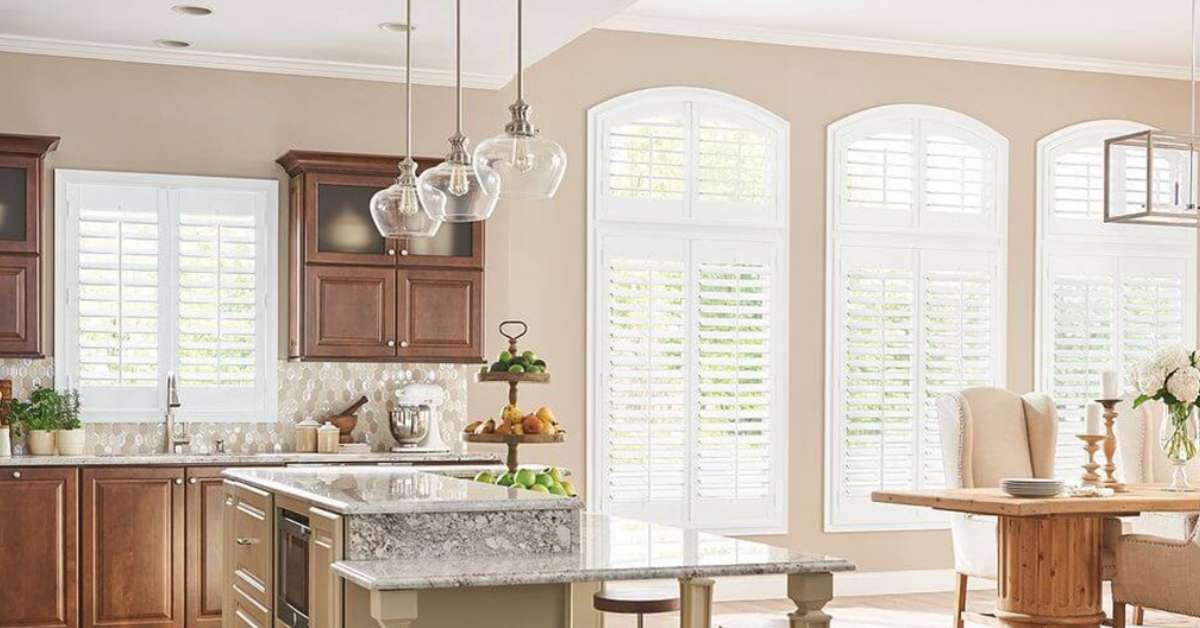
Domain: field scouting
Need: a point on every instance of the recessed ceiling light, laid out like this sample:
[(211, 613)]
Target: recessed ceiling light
[(172, 43), (191, 9), (394, 27)]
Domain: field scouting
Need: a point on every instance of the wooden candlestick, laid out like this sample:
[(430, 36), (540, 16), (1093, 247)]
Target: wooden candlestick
[(1110, 446), (1091, 444)]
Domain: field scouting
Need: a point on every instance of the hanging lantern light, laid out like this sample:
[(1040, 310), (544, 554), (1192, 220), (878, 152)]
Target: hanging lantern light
[(397, 209)]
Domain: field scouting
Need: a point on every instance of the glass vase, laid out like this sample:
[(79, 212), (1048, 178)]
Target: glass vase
[(1177, 437)]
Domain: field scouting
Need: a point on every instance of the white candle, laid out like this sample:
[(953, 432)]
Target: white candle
[(1109, 385), (1094, 411)]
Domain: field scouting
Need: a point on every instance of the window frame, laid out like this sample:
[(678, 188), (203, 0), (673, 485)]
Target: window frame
[(66, 252), (1058, 239), (693, 223), (918, 235)]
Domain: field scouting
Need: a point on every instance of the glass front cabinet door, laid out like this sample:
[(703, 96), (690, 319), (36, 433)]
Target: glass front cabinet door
[(22, 325)]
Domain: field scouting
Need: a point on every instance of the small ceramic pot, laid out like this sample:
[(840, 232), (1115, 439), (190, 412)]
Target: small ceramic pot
[(5, 442), (41, 443), (70, 442)]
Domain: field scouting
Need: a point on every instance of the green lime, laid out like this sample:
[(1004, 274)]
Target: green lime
[(529, 356), (516, 368), (505, 356), (544, 479), (526, 477), (536, 369), (540, 362), (557, 489), (499, 367), (538, 488), (486, 477), (507, 479)]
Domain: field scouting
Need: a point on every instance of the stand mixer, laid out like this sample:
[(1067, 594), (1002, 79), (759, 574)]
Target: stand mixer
[(414, 420)]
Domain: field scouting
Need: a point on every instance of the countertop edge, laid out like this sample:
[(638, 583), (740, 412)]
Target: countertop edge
[(246, 459)]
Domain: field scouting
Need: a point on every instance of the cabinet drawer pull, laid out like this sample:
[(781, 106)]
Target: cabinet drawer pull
[(241, 540), (228, 501), (16, 475)]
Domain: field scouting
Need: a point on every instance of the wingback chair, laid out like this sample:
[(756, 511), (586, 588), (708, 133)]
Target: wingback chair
[(989, 434), (1157, 572)]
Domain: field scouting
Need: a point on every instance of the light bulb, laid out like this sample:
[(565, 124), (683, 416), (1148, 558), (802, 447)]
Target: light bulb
[(522, 158), (460, 179), (397, 212)]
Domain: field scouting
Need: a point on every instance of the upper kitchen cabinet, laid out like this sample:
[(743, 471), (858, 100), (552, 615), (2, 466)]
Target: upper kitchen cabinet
[(21, 309), (357, 296)]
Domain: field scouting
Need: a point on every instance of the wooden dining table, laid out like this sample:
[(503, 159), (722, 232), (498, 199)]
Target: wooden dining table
[(1048, 549)]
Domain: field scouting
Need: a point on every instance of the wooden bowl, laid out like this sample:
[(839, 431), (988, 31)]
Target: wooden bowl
[(345, 424)]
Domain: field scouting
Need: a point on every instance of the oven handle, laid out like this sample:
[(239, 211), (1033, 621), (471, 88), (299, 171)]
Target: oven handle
[(294, 527)]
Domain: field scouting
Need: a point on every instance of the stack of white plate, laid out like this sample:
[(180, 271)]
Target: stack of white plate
[(1031, 487)]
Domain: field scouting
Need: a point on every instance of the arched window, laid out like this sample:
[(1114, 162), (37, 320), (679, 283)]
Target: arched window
[(1108, 294), (688, 309), (916, 230)]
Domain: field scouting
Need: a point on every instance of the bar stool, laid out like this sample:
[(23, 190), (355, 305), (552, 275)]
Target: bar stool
[(632, 601)]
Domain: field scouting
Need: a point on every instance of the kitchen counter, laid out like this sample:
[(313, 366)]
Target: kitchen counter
[(247, 459), (611, 548), (390, 490)]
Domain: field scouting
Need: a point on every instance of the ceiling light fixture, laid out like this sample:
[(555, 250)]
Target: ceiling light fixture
[(397, 209), (530, 166), (454, 190), (191, 9), (172, 43), (1150, 176)]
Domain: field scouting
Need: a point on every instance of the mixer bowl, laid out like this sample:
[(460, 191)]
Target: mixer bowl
[(409, 425)]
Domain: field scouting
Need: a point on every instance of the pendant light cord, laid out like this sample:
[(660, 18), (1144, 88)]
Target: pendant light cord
[(408, 78), (458, 117), (1192, 75), (521, 46)]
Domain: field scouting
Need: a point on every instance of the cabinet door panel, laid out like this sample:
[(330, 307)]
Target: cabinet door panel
[(205, 547), (39, 534), (338, 225), (349, 312), (441, 314), (19, 203), (20, 303), (133, 567), (456, 245)]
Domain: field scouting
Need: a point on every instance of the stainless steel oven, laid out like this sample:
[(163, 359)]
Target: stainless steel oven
[(291, 581)]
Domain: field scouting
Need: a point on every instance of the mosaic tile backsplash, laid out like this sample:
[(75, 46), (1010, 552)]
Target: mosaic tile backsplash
[(305, 390)]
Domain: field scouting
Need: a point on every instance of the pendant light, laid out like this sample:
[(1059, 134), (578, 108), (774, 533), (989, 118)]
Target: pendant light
[(1150, 176), (454, 190), (397, 209), (530, 166)]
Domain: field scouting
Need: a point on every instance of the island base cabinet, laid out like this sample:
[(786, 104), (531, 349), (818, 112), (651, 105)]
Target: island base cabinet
[(133, 535), (249, 567), (526, 606), (39, 560)]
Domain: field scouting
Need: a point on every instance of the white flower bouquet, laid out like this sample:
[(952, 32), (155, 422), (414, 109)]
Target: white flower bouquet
[(1172, 376)]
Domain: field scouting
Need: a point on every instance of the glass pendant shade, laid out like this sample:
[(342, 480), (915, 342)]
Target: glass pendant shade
[(457, 191), (531, 167), (1151, 178), (397, 209)]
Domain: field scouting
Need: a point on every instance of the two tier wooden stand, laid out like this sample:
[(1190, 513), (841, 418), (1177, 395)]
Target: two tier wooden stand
[(513, 380)]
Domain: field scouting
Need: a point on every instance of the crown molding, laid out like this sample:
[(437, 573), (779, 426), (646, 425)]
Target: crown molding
[(243, 63), (709, 30)]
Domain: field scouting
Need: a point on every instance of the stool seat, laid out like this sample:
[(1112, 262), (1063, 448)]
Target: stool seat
[(640, 601)]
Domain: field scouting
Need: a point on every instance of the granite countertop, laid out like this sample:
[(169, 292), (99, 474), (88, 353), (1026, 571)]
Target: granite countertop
[(611, 548), (182, 460), (393, 490)]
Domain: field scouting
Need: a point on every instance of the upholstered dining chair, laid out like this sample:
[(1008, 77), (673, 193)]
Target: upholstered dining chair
[(1157, 572), (989, 434)]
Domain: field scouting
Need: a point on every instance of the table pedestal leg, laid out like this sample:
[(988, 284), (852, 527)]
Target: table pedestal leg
[(695, 602), (810, 592), (1049, 572)]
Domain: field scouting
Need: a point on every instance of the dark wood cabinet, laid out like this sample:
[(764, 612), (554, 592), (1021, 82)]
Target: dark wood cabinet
[(39, 547), (205, 551), (133, 540), (356, 295), (23, 323)]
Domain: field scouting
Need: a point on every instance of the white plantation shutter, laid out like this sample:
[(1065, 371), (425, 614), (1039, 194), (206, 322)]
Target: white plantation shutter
[(166, 274), (688, 315), (916, 308), (1110, 294)]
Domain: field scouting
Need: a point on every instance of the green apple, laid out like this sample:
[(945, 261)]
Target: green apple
[(516, 369), (486, 477), (544, 479), (538, 488), (505, 357), (557, 489), (507, 479), (526, 477)]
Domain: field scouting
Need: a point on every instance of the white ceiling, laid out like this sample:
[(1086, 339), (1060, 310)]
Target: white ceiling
[(341, 38), (331, 37)]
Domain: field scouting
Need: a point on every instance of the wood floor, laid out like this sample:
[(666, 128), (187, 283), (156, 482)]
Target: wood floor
[(926, 610)]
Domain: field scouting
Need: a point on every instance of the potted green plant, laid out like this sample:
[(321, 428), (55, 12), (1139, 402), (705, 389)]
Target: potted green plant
[(69, 436), (10, 428), (39, 419)]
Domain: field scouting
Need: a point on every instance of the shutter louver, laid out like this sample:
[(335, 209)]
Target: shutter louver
[(879, 171), (956, 177), (732, 163), (1078, 185), (733, 454), (878, 370), (646, 381), (1152, 315), (217, 298), (118, 294), (647, 158)]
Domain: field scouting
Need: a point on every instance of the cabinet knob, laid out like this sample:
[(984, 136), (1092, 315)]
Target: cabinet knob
[(403, 251), (391, 251), (241, 540), (403, 343), (16, 475), (191, 480), (391, 343), (178, 481)]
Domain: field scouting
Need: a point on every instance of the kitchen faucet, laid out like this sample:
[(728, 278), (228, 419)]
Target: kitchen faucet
[(176, 437)]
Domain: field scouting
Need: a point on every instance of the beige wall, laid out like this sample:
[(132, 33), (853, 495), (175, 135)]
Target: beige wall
[(167, 119)]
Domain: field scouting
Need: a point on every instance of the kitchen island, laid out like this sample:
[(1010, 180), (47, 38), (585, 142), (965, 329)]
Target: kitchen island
[(403, 548)]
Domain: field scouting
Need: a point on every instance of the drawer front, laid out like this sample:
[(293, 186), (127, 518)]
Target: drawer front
[(248, 513), (247, 612)]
